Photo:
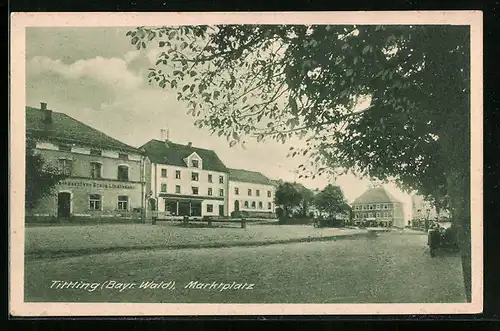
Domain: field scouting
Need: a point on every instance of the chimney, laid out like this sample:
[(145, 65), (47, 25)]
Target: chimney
[(48, 112), (190, 144)]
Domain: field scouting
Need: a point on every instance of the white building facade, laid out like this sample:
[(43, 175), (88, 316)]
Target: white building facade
[(251, 192), (183, 180), (423, 209)]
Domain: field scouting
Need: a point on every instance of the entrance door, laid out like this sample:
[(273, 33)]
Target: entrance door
[(237, 205), (221, 210), (63, 204)]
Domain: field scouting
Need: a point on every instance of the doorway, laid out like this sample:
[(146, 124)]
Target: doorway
[(237, 205), (63, 204), (221, 210)]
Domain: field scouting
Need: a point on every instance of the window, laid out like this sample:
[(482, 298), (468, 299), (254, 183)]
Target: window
[(371, 207), (177, 189), (123, 173), (249, 191), (268, 194), (95, 170), (269, 205), (195, 190), (96, 152), (122, 202), (94, 202), (260, 205), (253, 204), (210, 208), (221, 179), (378, 214), (385, 214), (209, 191), (195, 163), (378, 207), (163, 188), (246, 204), (66, 166), (210, 179), (177, 174), (236, 191), (221, 192), (195, 176), (164, 173), (257, 193), (385, 206), (65, 148)]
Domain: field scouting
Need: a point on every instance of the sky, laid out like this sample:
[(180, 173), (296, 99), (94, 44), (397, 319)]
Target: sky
[(98, 77)]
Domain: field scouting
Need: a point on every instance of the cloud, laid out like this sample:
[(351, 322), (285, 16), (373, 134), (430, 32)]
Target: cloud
[(108, 71), (131, 55)]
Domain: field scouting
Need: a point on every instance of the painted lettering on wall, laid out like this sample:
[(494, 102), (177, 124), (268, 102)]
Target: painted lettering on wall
[(96, 185)]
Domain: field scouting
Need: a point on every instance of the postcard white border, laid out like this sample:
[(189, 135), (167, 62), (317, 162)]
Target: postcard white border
[(19, 21)]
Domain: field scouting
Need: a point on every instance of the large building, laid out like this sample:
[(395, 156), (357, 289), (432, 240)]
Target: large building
[(422, 209), (183, 180), (252, 192), (104, 175), (379, 207)]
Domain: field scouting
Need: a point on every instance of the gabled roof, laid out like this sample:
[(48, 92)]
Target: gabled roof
[(375, 195), (66, 129), (174, 154), (247, 176)]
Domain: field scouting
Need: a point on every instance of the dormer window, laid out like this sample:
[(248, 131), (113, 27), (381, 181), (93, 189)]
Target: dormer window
[(65, 148), (195, 163), (96, 152)]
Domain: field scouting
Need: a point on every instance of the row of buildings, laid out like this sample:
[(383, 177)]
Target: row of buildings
[(107, 178)]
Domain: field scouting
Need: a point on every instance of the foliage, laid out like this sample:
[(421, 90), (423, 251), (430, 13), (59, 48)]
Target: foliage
[(41, 177), (331, 200), (283, 80), (288, 197), (277, 81)]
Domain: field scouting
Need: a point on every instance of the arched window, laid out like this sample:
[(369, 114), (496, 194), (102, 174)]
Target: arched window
[(246, 204)]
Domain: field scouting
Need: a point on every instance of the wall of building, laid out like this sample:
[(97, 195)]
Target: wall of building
[(82, 162), (186, 183), (422, 209), (80, 186), (387, 212), (243, 196)]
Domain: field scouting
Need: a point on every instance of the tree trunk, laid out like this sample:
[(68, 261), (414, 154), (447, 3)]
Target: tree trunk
[(459, 188), (456, 152)]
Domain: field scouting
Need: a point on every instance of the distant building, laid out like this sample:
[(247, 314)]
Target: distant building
[(183, 180), (105, 176), (422, 209), (252, 192), (379, 207)]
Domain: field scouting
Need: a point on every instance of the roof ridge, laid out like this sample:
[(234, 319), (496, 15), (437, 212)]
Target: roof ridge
[(92, 128), (86, 125), (179, 144)]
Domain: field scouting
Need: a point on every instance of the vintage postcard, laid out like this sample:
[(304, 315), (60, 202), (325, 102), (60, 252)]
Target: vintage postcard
[(317, 163)]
